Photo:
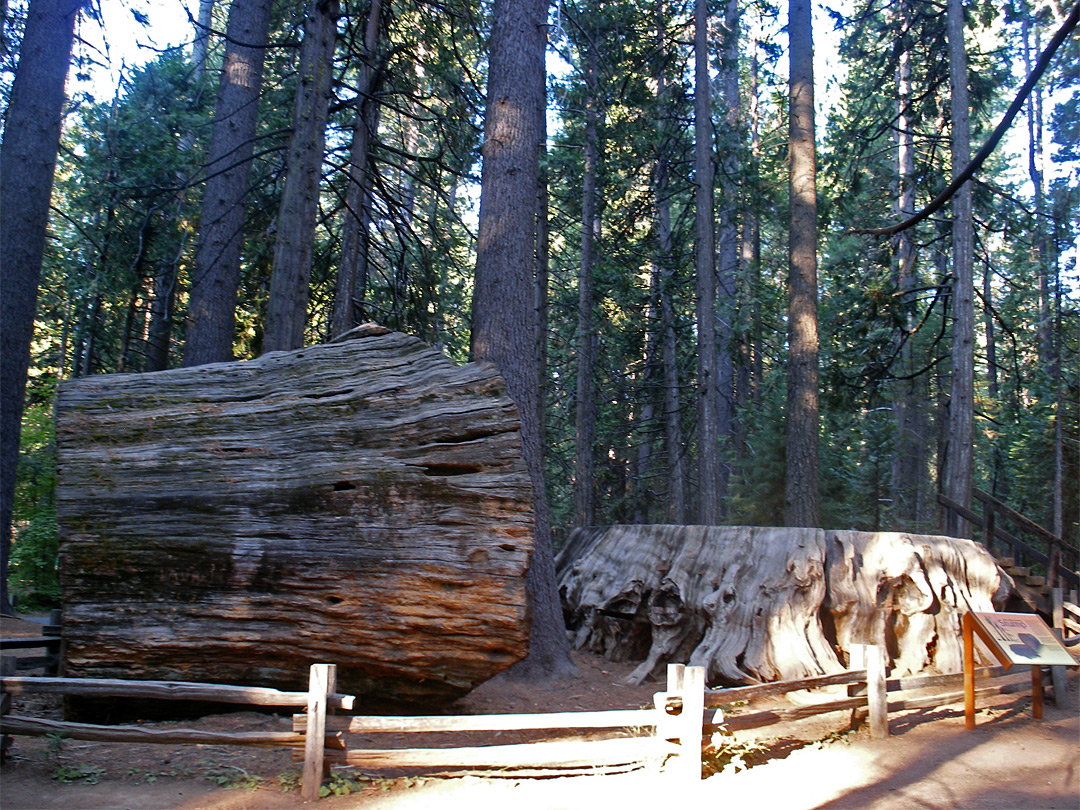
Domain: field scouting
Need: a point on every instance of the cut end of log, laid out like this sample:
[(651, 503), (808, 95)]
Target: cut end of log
[(362, 503)]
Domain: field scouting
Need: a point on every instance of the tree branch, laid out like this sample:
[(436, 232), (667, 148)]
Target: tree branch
[(1025, 90)]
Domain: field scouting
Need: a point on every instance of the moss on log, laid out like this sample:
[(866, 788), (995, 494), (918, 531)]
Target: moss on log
[(362, 503)]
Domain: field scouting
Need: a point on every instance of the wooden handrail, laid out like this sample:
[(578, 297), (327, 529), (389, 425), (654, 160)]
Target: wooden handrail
[(1020, 520), (996, 506)]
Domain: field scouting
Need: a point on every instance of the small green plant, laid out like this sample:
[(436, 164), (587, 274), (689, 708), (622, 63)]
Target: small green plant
[(290, 780), (840, 735), (55, 746), (725, 754), (148, 777), (340, 785), (90, 774), (230, 777)]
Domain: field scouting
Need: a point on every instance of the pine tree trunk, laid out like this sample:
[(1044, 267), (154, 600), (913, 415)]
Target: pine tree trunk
[(642, 429), (543, 268), (728, 246), (674, 445), (585, 404), (801, 469), (27, 162), (709, 473), (959, 461), (286, 314), (216, 274), (162, 303), (1035, 174), (910, 488), (752, 252), (504, 312), (201, 44), (351, 286)]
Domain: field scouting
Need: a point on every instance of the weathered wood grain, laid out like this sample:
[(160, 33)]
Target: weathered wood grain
[(577, 753), (41, 727), (768, 604), (740, 601), (362, 503), (167, 690), (616, 718), (909, 592)]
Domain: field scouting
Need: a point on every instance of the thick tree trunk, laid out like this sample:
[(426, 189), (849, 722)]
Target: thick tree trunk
[(27, 163), (504, 324), (286, 315), (801, 468), (959, 453), (216, 275), (709, 472), (363, 503), (765, 604)]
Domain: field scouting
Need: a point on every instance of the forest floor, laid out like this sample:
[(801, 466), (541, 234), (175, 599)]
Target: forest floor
[(1010, 761)]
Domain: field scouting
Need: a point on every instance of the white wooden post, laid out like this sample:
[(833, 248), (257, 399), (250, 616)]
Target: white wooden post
[(877, 692), (321, 684), (857, 660), (667, 726), (693, 709)]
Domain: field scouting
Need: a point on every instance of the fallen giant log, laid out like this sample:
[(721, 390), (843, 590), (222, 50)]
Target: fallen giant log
[(362, 503)]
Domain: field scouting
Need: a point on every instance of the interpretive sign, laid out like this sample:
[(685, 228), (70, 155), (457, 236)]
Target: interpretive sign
[(1024, 638), (1013, 638)]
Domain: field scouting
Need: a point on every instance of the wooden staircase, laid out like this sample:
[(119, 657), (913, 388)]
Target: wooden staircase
[(1030, 588), (1017, 556)]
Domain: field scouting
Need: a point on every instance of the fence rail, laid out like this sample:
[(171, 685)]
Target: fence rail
[(670, 732)]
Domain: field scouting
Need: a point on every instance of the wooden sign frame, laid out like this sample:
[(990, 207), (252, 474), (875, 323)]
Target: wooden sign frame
[(1012, 638)]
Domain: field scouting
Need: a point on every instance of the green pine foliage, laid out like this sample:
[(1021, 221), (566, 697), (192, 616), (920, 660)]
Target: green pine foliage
[(127, 206)]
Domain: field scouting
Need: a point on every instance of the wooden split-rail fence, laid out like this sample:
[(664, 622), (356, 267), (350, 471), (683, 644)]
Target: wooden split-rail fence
[(667, 735)]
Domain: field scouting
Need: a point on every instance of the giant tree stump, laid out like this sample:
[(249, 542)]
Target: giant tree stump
[(765, 604), (741, 601), (362, 503)]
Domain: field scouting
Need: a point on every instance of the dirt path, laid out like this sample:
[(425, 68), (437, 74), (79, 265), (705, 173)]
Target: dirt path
[(1009, 762)]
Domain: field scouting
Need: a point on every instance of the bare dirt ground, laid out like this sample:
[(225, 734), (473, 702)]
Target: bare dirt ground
[(1010, 762)]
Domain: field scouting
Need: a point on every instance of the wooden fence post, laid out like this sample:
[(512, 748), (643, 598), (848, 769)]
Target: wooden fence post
[(7, 668), (322, 684), (690, 719), (856, 660), (1057, 674), (876, 691)]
